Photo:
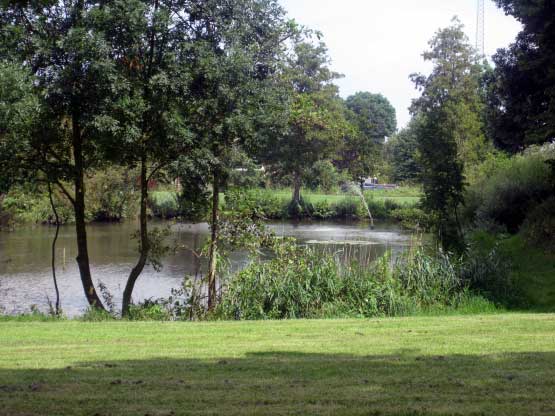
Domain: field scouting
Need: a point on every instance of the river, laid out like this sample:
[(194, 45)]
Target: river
[(26, 279)]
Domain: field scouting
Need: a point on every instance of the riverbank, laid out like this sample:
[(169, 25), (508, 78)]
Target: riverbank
[(399, 205), (487, 364)]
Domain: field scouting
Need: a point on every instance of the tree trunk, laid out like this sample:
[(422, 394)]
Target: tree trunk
[(58, 309), (211, 278), (144, 243), (297, 189), (80, 227)]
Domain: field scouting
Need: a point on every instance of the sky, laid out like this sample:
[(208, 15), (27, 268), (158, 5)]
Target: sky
[(377, 44)]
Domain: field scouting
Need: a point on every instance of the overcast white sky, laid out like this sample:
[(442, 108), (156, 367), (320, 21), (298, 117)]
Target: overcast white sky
[(377, 44)]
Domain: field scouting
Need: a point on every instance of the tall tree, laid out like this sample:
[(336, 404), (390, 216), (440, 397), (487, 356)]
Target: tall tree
[(522, 87), (148, 40), (449, 109), (402, 150), (316, 122), (76, 81), (375, 119), (236, 47)]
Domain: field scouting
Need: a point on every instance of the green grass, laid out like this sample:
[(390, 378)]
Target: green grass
[(489, 364), (534, 271), (403, 195)]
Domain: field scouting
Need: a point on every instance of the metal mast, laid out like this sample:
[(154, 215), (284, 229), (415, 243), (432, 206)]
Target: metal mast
[(480, 27)]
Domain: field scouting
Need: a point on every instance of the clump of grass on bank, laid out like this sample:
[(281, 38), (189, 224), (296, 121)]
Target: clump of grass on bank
[(487, 364), (298, 282)]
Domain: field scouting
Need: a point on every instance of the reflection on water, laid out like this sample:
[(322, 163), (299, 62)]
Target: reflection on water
[(25, 275)]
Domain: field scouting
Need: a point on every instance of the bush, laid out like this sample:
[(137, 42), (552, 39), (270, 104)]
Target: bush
[(429, 279), (111, 195), (164, 204), (264, 203), (299, 282), (539, 226), (31, 204), (508, 189), (486, 270), (349, 208), (324, 176), (322, 210), (412, 218), (149, 310)]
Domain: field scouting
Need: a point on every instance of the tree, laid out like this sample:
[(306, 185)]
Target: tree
[(148, 40), (375, 119), (449, 110), (402, 149), (316, 123), (521, 95), (75, 80), (232, 62), (375, 116)]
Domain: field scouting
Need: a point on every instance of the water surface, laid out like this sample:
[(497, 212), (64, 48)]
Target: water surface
[(26, 279)]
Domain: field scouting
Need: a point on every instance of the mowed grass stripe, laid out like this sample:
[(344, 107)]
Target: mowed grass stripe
[(495, 364)]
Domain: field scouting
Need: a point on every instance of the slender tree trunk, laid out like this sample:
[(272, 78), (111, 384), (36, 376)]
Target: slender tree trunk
[(144, 243), (211, 278), (297, 188), (55, 211), (80, 227)]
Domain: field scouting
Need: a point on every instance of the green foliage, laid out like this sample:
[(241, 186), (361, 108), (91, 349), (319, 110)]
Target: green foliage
[(487, 271), (521, 88), (402, 150), (31, 204), (373, 118), (324, 176), (111, 194), (96, 315), (506, 190), (449, 128), (299, 282), (164, 204), (148, 310), (539, 226), (241, 226), (412, 218), (315, 121), (349, 208)]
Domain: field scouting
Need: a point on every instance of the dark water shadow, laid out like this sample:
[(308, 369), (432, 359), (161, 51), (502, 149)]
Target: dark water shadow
[(408, 382)]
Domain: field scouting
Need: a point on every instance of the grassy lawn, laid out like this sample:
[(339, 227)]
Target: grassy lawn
[(403, 195), (534, 270), (490, 364)]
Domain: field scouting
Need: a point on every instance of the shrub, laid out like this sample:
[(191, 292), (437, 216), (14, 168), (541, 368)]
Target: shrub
[(293, 284), (111, 195), (299, 282), (323, 176), (412, 218), (539, 226), (164, 204), (504, 194), (322, 210), (31, 204), (96, 315), (349, 208), (429, 279), (149, 310), (486, 270)]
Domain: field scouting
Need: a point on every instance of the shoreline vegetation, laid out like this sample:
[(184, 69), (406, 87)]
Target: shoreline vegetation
[(401, 205)]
